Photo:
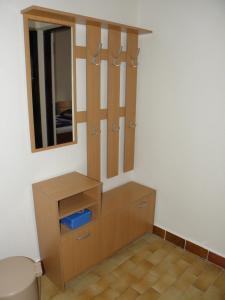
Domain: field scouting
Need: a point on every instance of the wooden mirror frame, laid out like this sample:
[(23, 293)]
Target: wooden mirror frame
[(26, 19)]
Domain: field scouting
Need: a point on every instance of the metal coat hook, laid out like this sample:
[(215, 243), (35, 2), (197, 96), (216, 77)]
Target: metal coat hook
[(132, 124), (115, 128), (116, 59), (96, 60), (95, 131), (134, 60)]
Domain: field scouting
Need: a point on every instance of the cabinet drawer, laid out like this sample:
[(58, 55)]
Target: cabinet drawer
[(80, 250)]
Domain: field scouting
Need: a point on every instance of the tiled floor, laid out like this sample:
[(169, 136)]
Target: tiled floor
[(148, 269)]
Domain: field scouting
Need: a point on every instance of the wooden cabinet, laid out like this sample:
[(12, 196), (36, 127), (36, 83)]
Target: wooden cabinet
[(118, 217), (127, 213), (65, 252)]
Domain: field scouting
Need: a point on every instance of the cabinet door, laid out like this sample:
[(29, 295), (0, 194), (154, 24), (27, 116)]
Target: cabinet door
[(80, 250), (114, 231), (141, 216), (122, 227), (108, 234)]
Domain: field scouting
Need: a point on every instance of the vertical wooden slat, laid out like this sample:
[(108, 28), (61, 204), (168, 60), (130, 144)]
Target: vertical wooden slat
[(130, 116), (93, 102), (114, 42)]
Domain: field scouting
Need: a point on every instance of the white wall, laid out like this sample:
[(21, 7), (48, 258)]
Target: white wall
[(180, 146), (19, 168)]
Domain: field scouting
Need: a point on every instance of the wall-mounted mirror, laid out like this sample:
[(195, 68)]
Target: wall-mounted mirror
[(51, 83)]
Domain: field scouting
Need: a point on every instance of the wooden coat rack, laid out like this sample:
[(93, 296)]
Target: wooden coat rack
[(93, 53)]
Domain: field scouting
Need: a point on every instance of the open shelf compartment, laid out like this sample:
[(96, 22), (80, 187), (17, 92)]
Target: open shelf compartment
[(95, 213), (74, 204)]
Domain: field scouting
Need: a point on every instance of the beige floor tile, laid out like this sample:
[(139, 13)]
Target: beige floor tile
[(213, 293), (66, 295), (185, 281), (83, 296), (171, 294), (207, 277), (122, 283), (129, 294), (97, 288), (106, 266), (198, 267), (169, 247), (48, 289), (145, 283), (220, 282), (141, 269), (192, 293), (122, 255), (157, 256), (161, 268), (149, 295), (140, 256), (178, 268), (150, 237), (138, 246), (108, 294), (83, 282), (189, 257), (164, 283), (155, 245)]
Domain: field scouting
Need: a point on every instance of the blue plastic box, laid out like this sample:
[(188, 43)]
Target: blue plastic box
[(78, 219)]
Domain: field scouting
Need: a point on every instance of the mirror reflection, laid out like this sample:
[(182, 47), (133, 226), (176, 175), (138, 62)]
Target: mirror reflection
[(51, 76)]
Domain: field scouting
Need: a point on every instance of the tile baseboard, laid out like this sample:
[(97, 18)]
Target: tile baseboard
[(189, 246), (216, 259), (170, 237)]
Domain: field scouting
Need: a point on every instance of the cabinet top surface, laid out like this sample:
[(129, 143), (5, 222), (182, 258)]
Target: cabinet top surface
[(127, 193), (66, 185), (37, 11)]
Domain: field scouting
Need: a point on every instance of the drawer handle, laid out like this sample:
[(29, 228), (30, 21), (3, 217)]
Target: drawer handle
[(86, 235), (142, 205)]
